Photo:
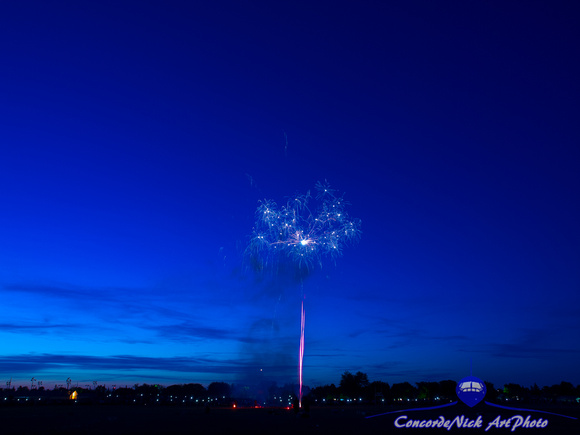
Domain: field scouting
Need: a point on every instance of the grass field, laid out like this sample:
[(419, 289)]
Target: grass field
[(116, 419)]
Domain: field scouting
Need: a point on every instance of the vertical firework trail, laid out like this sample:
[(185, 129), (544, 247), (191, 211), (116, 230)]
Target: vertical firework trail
[(301, 354), (294, 233)]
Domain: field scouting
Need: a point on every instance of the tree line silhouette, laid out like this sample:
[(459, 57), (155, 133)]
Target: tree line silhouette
[(353, 388), (357, 387)]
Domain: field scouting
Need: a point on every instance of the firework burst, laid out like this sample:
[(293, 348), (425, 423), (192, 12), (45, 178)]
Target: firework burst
[(294, 232)]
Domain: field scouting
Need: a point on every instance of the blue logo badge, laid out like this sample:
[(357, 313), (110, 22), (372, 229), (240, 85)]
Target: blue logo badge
[(471, 390)]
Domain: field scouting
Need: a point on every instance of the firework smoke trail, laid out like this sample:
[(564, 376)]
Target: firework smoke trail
[(304, 238), (301, 354)]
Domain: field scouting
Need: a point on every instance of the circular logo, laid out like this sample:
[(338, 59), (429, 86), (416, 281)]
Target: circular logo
[(471, 390)]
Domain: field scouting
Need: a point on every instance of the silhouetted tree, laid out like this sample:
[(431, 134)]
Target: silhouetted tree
[(146, 390), (194, 390), (124, 395), (558, 391), (147, 393), (566, 389), (173, 390), (515, 391), (447, 389), (403, 390), (491, 392), (427, 390), (377, 391), (353, 385), (535, 392), (218, 390), (326, 393)]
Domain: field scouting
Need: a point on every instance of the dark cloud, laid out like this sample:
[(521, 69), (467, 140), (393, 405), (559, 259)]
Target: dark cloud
[(37, 328), (64, 292), (112, 303), (410, 337), (528, 343), (401, 370), (37, 363), (406, 335), (188, 332), (520, 350)]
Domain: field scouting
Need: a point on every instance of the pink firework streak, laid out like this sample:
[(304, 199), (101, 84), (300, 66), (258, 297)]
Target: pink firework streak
[(301, 355)]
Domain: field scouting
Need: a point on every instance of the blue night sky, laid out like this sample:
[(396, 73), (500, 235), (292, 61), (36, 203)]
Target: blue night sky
[(137, 139)]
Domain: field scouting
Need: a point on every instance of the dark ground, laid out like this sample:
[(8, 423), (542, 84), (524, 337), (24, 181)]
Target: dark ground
[(118, 419)]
